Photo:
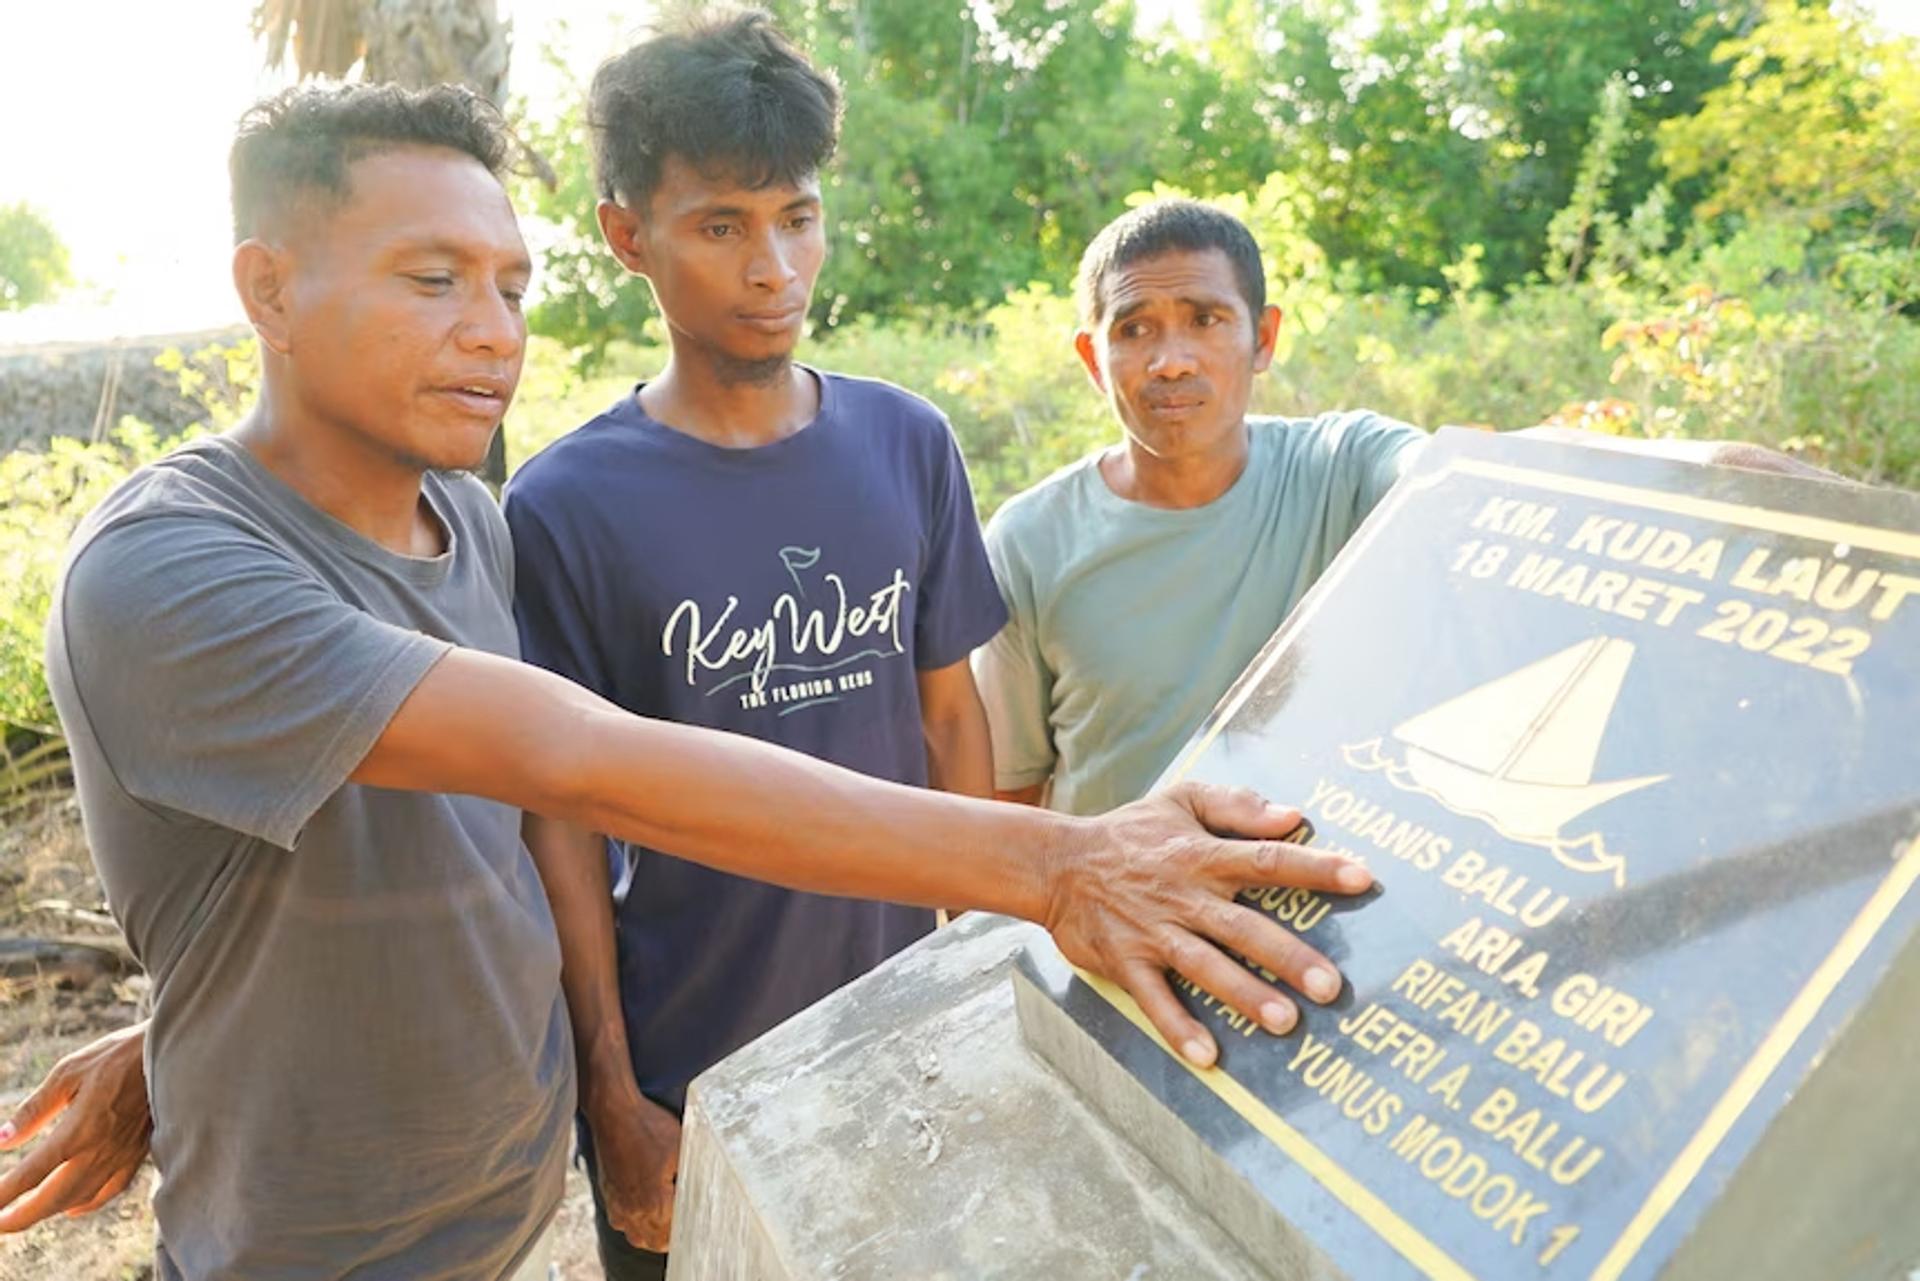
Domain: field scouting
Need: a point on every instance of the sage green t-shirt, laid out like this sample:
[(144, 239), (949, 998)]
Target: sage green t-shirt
[(1127, 622)]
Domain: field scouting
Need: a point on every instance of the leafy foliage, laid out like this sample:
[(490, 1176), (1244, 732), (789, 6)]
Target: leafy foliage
[(43, 496), (1838, 106), (33, 259), (584, 299)]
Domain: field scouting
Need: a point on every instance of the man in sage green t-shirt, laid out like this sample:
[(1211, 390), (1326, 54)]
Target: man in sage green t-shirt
[(1140, 580)]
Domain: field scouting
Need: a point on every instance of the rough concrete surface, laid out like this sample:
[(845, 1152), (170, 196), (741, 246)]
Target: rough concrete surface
[(900, 1129)]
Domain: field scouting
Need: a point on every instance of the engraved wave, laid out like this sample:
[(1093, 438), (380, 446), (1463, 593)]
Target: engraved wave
[(1587, 853)]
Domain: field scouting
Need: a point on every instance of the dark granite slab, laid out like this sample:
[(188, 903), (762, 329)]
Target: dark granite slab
[(1633, 749)]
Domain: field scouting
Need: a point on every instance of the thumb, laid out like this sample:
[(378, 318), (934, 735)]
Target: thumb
[(1241, 811), (35, 1111), (670, 1169)]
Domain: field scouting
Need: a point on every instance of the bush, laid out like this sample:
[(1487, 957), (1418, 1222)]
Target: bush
[(43, 496)]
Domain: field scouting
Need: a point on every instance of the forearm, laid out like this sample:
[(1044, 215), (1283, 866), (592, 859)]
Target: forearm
[(959, 750), (745, 807), (573, 868)]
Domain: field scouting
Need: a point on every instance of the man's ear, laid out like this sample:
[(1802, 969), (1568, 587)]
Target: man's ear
[(624, 231), (1265, 335), (263, 277), (1090, 357)]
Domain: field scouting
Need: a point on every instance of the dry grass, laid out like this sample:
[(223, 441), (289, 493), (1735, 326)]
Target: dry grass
[(47, 885), (43, 861)]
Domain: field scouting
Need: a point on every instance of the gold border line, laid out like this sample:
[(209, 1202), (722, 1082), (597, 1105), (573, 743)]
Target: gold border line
[(1352, 1193), (1774, 1047)]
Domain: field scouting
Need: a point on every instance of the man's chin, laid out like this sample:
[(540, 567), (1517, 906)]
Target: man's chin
[(466, 454)]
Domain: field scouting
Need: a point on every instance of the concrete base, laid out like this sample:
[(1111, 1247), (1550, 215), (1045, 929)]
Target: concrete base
[(900, 1128)]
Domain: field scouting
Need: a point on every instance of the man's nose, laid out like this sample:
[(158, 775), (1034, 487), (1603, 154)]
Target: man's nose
[(768, 266), (493, 324), (1173, 359)]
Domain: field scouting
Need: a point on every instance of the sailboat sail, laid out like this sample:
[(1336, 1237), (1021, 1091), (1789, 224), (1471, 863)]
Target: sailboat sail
[(1519, 750), (1565, 740), (1482, 728)]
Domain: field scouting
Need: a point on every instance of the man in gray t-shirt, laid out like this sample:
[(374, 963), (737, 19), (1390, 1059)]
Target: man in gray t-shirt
[(285, 660), (267, 899)]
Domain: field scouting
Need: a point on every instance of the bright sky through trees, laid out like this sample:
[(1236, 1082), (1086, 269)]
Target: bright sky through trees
[(119, 113)]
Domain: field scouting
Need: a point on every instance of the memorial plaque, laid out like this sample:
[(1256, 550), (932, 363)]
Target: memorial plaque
[(1633, 749)]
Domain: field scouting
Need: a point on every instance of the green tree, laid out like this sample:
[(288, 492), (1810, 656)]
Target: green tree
[(985, 142), (1837, 104), (584, 299), (33, 259), (1426, 127)]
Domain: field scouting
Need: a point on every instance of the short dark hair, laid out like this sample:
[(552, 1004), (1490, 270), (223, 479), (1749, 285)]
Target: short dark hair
[(1170, 226), (724, 92), (304, 140)]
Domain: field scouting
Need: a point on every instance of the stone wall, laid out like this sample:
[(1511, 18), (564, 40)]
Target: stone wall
[(57, 389)]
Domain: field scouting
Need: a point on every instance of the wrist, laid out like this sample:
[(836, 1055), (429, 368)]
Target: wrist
[(606, 1076), (1063, 849)]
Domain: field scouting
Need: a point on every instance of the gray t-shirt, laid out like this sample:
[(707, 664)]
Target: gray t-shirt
[(1128, 622), (359, 1061)]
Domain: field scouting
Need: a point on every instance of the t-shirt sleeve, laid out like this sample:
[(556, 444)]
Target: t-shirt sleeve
[(1015, 685), (553, 620), (224, 680), (959, 606), (1375, 452)]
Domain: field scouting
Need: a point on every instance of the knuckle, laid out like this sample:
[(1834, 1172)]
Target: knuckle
[(1226, 920), (1266, 860), (1184, 952)]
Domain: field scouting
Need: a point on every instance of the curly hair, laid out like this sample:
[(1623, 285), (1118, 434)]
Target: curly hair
[(304, 140)]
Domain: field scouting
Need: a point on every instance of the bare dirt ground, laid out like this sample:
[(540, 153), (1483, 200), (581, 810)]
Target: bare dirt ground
[(63, 981)]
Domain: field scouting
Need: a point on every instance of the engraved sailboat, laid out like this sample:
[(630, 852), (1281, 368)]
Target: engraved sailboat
[(1518, 751)]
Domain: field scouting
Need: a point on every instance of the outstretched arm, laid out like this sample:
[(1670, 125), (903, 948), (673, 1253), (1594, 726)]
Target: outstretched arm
[(1129, 895)]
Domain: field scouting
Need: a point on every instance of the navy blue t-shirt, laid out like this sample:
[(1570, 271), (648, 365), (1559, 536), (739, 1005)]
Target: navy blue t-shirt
[(790, 592)]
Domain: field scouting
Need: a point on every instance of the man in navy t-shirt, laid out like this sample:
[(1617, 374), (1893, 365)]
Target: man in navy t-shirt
[(742, 543)]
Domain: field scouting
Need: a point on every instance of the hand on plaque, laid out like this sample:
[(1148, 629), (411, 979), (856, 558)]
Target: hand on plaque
[(95, 1099), (1114, 911)]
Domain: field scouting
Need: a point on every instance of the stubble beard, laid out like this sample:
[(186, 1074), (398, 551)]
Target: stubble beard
[(765, 371)]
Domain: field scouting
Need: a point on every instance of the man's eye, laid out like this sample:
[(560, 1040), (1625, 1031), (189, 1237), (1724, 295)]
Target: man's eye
[(1132, 329), (1206, 320), (801, 222), (719, 230), (432, 280), (514, 297)]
